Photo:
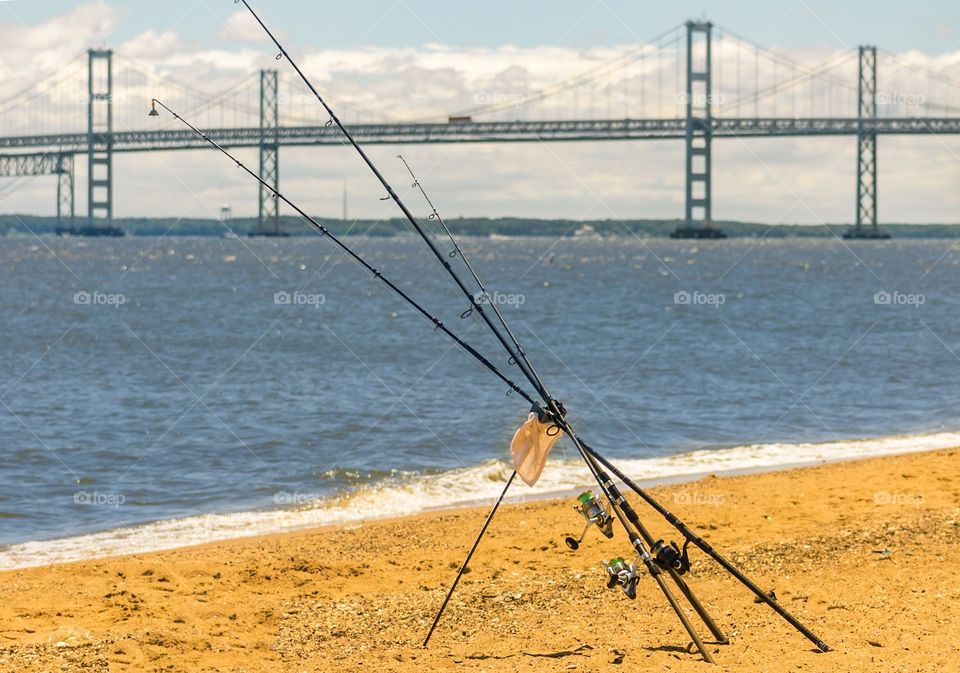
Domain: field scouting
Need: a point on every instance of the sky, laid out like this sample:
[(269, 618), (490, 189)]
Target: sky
[(933, 26), (424, 59)]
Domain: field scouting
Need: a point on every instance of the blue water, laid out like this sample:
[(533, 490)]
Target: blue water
[(182, 387)]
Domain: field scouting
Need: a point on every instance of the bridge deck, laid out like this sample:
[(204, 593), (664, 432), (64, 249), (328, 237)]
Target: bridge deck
[(499, 132)]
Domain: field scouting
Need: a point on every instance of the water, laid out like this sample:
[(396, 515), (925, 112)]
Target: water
[(159, 380)]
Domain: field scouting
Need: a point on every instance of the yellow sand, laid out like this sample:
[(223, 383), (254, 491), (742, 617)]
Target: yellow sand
[(866, 553)]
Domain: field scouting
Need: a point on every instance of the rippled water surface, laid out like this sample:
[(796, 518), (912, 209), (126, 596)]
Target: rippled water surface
[(146, 379)]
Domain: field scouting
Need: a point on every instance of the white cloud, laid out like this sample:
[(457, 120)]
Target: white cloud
[(31, 52), (241, 27), (151, 46)]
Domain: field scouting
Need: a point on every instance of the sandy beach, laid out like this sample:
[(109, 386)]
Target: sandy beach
[(866, 553)]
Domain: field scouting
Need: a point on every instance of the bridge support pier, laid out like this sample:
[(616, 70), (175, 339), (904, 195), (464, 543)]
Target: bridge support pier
[(698, 222), (100, 142), (268, 218), (866, 223)]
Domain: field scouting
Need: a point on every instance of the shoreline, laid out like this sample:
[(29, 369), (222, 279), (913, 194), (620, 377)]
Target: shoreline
[(351, 509), (508, 227), (837, 543)]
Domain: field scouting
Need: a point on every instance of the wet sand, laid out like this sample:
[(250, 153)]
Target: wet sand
[(866, 553)]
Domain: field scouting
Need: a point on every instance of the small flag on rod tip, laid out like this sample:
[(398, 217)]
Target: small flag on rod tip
[(531, 445)]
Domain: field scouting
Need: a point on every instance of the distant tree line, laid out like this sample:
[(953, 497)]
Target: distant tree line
[(469, 226)]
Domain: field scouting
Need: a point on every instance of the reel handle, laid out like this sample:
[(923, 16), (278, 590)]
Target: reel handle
[(592, 510), (574, 543)]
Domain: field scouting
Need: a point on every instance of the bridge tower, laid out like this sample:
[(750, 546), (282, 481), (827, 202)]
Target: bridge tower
[(866, 223), (268, 218), (698, 222), (100, 137)]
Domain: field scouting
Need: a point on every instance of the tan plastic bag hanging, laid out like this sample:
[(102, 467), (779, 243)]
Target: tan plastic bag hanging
[(531, 445)]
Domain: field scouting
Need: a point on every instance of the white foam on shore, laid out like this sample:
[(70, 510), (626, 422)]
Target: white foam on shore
[(479, 484)]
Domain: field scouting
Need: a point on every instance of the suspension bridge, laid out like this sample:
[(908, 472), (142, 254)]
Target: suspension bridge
[(695, 83)]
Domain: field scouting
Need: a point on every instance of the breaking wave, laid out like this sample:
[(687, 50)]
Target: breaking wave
[(407, 494)]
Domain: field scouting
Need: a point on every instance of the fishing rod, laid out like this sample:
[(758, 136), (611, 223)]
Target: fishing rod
[(518, 356), (555, 410), (604, 482), (463, 566), (705, 547), (515, 357), (619, 504), (628, 511), (438, 325), (458, 252), (516, 353)]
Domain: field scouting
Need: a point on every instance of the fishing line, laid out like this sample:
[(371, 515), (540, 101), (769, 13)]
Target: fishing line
[(438, 325), (556, 410), (528, 372), (458, 252)]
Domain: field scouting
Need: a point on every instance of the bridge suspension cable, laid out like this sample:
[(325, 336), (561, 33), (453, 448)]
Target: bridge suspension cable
[(294, 96), (41, 100), (654, 47), (842, 59), (777, 79), (240, 97), (906, 97)]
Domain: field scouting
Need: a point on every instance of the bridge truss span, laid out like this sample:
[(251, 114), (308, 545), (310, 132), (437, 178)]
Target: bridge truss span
[(494, 132)]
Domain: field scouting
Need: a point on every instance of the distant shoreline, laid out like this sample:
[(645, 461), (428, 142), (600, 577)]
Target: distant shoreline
[(472, 226)]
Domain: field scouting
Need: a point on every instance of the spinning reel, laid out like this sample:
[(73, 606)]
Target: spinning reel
[(622, 574), (595, 513), (670, 556)]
